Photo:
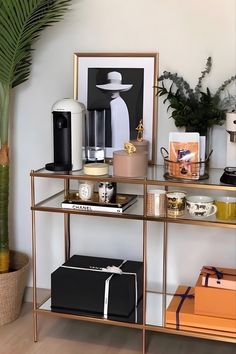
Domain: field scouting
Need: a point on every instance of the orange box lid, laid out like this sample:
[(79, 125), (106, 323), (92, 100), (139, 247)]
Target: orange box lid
[(219, 277)]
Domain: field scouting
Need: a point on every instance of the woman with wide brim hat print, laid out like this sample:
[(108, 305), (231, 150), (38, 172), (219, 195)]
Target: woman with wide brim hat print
[(120, 125)]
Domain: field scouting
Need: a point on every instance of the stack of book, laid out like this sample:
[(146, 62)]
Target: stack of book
[(122, 203)]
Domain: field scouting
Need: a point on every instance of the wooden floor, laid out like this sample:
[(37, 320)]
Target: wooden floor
[(63, 336)]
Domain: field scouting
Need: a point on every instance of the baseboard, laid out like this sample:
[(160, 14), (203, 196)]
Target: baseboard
[(41, 294)]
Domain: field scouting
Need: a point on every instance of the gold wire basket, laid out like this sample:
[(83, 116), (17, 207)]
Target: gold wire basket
[(177, 170)]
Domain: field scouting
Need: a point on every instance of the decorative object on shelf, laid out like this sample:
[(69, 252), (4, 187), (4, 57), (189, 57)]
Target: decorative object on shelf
[(140, 130), (226, 208), (200, 205), (12, 286), (130, 148), (67, 120), (184, 148), (181, 315), (201, 168), (156, 202), (107, 192), (92, 288), (21, 25), (129, 162), (215, 301), (121, 203), (194, 109), (96, 169), (95, 130), (118, 82), (218, 277), (175, 203), (140, 143), (186, 157), (229, 175), (86, 189)]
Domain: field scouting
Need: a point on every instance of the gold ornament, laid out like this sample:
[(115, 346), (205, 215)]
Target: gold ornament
[(129, 148), (140, 130)]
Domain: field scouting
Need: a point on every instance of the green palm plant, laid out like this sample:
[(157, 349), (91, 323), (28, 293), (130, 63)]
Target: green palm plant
[(21, 23)]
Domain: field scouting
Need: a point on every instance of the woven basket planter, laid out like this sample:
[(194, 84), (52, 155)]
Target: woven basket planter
[(12, 286)]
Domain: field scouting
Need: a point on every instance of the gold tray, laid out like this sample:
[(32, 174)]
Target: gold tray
[(121, 199)]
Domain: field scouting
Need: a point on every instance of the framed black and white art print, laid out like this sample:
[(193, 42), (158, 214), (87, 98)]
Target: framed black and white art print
[(120, 87)]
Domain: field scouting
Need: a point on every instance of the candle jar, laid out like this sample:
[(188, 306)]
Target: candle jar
[(86, 189)]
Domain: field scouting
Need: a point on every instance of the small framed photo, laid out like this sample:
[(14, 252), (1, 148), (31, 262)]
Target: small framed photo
[(120, 88)]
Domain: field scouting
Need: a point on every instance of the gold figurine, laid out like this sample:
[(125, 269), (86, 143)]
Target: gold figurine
[(130, 148), (140, 130)]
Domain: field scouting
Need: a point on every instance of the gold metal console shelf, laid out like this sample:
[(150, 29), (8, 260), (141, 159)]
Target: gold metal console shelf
[(52, 203)]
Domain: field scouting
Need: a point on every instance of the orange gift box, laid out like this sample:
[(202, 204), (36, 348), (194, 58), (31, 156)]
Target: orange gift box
[(214, 301), (224, 278), (180, 313), (203, 331)]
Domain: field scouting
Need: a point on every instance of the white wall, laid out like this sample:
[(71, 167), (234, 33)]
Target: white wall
[(185, 33)]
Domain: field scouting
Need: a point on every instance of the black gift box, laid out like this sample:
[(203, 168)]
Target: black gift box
[(82, 284)]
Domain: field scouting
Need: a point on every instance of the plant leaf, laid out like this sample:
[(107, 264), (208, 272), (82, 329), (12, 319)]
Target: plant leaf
[(26, 19)]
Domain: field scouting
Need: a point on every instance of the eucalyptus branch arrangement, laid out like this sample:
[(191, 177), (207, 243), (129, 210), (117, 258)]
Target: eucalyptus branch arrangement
[(196, 110)]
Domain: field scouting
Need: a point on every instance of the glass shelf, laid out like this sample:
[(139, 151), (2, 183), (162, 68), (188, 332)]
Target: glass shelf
[(155, 176), (155, 301), (135, 211), (135, 320), (53, 204), (187, 219)]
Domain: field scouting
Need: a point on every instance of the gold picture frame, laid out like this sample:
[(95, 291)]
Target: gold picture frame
[(137, 70)]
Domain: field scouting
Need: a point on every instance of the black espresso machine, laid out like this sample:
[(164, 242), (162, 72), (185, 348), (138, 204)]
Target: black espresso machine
[(68, 124)]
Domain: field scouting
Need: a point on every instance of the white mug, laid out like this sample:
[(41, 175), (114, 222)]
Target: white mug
[(200, 205)]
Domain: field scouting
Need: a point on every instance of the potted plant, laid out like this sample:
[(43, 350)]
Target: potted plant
[(194, 109), (21, 23)]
